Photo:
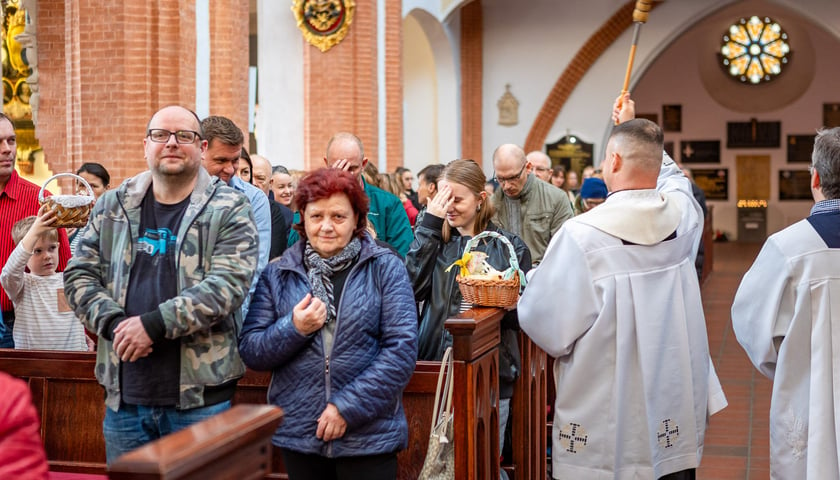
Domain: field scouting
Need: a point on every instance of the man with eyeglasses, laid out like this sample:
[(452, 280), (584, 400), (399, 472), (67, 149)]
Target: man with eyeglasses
[(160, 275), (224, 148), (526, 206), (540, 165), (785, 317)]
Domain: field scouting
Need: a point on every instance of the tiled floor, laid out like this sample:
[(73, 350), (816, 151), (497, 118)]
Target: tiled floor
[(737, 438)]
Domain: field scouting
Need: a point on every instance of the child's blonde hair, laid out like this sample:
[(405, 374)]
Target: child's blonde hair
[(23, 225)]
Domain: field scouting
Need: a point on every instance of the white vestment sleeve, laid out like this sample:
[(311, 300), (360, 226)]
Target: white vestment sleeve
[(559, 303), (763, 308)]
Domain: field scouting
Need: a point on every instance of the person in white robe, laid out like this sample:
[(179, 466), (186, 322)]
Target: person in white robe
[(635, 383), (785, 316)]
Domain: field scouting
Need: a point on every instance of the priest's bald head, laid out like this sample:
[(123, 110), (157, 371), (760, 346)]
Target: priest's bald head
[(634, 156), (825, 165)]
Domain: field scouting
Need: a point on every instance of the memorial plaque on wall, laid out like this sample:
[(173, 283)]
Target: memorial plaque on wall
[(753, 176), (672, 118), (574, 155), (713, 181), (649, 116), (700, 151), (795, 185), (799, 148), (831, 115), (753, 134)]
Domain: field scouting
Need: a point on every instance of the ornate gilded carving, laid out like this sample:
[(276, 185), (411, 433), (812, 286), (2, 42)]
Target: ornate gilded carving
[(20, 76), (324, 23)]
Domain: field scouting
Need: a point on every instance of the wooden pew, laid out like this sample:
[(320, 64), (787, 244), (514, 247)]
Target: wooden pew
[(71, 404), (233, 444)]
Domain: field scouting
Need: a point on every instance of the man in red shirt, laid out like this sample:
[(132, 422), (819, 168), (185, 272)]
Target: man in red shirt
[(18, 199)]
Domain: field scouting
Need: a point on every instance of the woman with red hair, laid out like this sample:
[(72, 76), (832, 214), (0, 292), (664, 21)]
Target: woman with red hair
[(334, 321)]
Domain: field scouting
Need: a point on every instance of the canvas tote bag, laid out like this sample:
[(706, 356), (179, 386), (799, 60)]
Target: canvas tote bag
[(440, 456)]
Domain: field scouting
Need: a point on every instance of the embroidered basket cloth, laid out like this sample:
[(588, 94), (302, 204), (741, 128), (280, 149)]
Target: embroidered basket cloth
[(72, 211), (491, 292)]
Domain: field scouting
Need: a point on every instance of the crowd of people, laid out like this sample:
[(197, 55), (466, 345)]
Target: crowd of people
[(338, 280)]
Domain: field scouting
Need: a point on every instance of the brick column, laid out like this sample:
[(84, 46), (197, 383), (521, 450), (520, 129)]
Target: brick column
[(340, 89), (394, 84), (471, 87), (229, 61), (105, 67)]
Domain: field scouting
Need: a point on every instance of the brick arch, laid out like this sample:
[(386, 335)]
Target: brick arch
[(583, 60)]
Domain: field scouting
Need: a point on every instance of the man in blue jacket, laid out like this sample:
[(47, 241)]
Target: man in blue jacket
[(387, 215)]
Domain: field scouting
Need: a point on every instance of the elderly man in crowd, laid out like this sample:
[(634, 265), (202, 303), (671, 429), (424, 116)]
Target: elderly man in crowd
[(526, 206), (540, 165)]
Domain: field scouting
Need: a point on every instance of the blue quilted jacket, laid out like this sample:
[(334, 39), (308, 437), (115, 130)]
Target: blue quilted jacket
[(372, 359)]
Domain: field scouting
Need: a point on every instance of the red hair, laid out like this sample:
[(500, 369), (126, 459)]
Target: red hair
[(326, 182)]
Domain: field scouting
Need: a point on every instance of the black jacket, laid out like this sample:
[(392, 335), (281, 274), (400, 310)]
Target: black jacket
[(440, 298)]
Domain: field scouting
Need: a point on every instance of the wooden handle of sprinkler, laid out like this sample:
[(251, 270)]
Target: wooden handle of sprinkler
[(640, 16)]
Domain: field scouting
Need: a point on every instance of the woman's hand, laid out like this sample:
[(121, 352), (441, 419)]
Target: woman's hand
[(309, 315), (439, 205), (331, 424)]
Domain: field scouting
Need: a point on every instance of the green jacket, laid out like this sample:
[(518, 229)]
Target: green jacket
[(217, 254), (388, 217), (542, 207)]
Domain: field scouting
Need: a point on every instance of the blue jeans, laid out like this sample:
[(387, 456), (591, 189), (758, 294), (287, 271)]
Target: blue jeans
[(6, 339), (136, 425)]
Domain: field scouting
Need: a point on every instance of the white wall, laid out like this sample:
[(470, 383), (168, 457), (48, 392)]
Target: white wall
[(431, 95), (420, 98), (279, 118)]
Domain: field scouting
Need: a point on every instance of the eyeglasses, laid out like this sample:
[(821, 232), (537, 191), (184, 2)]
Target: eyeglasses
[(501, 180), (159, 135)]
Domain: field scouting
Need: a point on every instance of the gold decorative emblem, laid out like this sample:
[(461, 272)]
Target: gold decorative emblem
[(324, 23)]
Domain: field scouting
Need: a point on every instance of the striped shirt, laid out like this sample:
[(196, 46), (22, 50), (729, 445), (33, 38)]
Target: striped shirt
[(19, 200), (43, 320)]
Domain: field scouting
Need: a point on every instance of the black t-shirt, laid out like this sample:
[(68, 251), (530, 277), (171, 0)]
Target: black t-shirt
[(154, 380)]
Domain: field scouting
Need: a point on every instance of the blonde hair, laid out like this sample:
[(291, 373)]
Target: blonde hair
[(469, 174), (23, 225)]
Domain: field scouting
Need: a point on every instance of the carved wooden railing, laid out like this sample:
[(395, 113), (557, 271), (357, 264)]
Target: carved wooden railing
[(233, 444), (71, 407)]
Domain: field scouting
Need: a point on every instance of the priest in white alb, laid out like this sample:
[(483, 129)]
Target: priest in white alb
[(616, 301), (786, 315)]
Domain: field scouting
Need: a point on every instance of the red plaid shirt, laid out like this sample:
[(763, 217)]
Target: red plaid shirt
[(19, 200)]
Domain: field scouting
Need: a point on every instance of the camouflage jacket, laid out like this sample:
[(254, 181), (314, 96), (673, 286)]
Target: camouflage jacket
[(217, 247)]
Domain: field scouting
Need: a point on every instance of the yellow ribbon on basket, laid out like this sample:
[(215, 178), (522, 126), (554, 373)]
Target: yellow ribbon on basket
[(463, 262)]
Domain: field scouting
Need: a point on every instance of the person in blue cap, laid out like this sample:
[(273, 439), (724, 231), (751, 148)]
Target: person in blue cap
[(593, 192)]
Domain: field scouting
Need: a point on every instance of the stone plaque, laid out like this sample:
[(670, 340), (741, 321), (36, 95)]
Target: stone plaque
[(795, 185), (672, 118), (713, 181), (753, 172), (700, 151), (831, 115), (753, 134), (799, 148)]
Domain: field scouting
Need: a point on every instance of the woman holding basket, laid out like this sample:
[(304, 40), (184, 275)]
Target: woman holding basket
[(460, 211)]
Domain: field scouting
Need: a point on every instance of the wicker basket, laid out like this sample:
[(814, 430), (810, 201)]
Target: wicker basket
[(493, 293), (72, 211)]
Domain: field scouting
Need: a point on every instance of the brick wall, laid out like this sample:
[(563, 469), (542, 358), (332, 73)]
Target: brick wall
[(340, 89), (229, 61), (106, 67), (394, 84), (471, 87)]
